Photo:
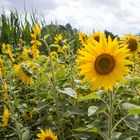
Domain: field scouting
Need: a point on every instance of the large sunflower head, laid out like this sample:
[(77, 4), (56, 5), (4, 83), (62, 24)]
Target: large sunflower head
[(103, 63), (132, 43), (46, 135)]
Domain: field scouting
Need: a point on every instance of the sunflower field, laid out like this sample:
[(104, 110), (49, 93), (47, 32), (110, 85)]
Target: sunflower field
[(57, 83)]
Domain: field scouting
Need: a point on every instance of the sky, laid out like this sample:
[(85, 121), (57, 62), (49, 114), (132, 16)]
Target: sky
[(116, 16)]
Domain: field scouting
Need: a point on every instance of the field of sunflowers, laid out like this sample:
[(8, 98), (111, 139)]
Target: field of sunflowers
[(61, 84)]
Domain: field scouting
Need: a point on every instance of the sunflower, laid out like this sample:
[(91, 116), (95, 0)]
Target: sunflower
[(7, 49), (21, 42), (24, 72), (36, 29), (5, 117), (82, 38), (5, 90), (27, 115), (95, 36), (33, 36), (46, 135), (103, 63), (132, 43), (54, 55), (2, 69), (26, 54), (36, 42), (58, 38), (35, 51), (62, 48)]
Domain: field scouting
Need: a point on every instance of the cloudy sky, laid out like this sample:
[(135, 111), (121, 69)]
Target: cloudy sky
[(117, 16)]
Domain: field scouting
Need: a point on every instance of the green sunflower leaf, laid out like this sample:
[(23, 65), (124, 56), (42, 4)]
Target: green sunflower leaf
[(70, 92), (134, 111), (88, 97), (92, 110), (81, 129)]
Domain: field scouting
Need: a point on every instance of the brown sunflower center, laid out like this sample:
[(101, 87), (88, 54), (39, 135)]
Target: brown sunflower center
[(132, 45), (104, 64), (97, 38), (48, 138)]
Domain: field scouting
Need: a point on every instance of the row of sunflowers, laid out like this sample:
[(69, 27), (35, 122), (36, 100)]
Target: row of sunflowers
[(59, 94)]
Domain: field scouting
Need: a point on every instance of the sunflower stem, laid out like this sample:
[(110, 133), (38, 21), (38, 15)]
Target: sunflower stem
[(55, 93), (110, 121), (75, 103), (60, 126)]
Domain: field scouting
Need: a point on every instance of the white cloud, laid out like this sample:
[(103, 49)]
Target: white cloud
[(117, 16)]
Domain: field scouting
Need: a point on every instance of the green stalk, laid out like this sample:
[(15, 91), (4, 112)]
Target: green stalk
[(75, 103), (55, 93), (110, 121), (54, 90)]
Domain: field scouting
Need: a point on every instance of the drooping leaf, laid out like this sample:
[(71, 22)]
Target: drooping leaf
[(127, 106), (70, 92), (132, 123), (92, 110)]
